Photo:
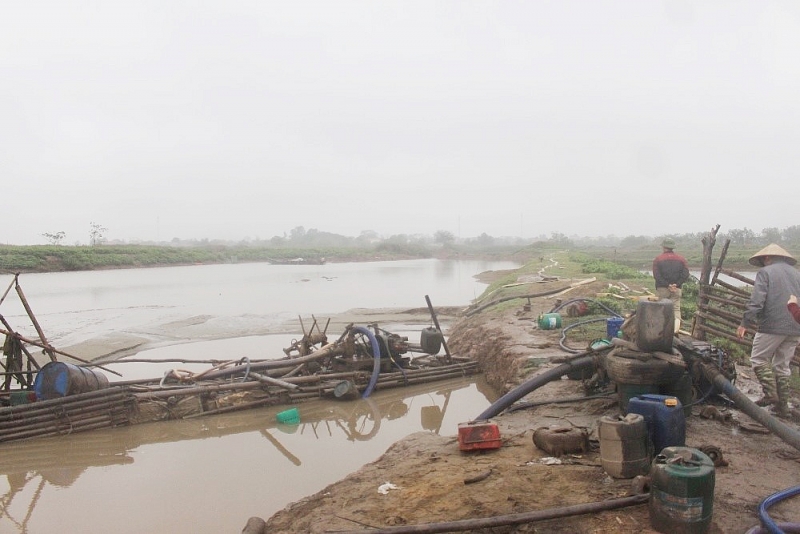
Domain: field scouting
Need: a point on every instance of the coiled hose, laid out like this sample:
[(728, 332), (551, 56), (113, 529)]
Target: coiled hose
[(562, 342), (763, 515), (376, 355)]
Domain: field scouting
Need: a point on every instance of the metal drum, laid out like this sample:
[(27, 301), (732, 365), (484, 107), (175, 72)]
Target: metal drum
[(59, 379)]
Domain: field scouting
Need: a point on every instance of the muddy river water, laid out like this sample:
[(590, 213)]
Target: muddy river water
[(210, 474)]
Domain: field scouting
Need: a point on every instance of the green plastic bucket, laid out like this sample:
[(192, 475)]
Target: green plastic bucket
[(289, 417)]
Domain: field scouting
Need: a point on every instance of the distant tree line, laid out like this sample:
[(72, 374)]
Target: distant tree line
[(300, 237)]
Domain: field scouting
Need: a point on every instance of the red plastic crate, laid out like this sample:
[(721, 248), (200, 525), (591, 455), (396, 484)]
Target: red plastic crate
[(476, 435)]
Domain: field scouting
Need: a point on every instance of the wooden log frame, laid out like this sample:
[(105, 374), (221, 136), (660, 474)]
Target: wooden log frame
[(725, 297), (120, 405), (104, 408)]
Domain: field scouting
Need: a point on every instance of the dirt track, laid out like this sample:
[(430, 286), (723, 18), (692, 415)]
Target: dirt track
[(429, 471)]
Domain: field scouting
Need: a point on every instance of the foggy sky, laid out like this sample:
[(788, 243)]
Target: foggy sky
[(245, 119)]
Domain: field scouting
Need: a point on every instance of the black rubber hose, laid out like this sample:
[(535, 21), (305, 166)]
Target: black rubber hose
[(562, 342), (510, 519), (582, 299), (504, 299), (583, 362), (783, 431)]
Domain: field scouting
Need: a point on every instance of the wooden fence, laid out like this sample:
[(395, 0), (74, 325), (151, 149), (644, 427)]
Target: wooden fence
[(720, 305)]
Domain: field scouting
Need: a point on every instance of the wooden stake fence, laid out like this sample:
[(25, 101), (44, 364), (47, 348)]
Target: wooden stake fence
[(720, 304)]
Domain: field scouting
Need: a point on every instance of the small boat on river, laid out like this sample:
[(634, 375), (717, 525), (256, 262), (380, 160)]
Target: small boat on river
[(63, 398)]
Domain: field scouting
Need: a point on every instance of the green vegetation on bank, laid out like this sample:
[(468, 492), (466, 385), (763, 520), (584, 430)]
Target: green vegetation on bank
[(610, 253), (575, 266), (625, 285), (49, 258)]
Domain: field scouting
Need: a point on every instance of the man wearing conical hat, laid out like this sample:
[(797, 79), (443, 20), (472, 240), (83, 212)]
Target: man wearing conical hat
[(777, 333)]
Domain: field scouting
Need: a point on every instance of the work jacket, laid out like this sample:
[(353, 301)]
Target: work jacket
[(670, 268), (766, 309)]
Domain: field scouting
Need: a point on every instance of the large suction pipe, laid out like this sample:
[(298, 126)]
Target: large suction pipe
[(577, 364), (783, 431)]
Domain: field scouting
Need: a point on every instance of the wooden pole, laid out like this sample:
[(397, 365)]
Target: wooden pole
[(727, 302), (45, 345), (56, 351), (448, 358), (9, 288), (705, 274), (734, 318), (708, 247), (737, 276)]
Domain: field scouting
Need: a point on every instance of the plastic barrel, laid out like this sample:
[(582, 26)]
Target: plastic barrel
[(681, 491), (624, 451), (655, 325), (666, 423), (60, 379), (430, 340), (549, 321), (613, 325)]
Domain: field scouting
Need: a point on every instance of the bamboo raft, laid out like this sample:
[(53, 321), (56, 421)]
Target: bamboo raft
[(119, 405), (60, 398)]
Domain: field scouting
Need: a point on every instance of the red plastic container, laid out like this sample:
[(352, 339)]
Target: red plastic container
[(476, 435)]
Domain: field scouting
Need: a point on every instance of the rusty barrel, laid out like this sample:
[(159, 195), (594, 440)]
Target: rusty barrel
[(60, 379)]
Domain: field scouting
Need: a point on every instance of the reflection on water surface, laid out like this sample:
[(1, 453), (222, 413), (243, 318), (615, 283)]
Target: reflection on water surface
[(216, 470)]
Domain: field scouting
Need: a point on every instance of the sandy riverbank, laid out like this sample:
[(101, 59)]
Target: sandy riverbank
[(430, 472)]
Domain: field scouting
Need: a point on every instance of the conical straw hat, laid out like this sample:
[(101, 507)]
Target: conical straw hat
[(772, 249)]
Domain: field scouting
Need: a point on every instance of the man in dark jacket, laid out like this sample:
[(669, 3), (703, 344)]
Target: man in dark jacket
[(777, 334), (670, 271)]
